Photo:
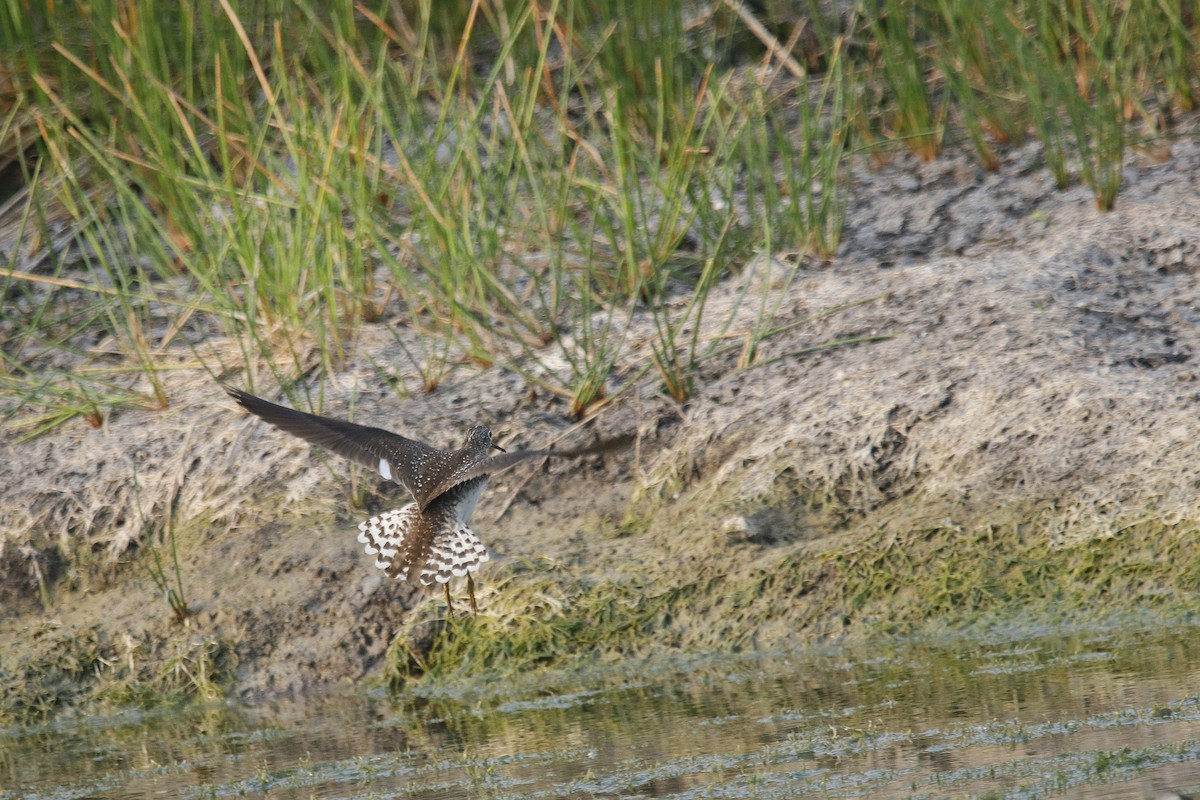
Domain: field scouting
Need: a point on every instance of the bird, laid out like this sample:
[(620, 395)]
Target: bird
[(430, 539)]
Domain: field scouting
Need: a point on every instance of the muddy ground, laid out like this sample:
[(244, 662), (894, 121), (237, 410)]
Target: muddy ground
[(1024, 367)]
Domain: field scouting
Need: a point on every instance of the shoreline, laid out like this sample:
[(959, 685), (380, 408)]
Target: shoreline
[(1016, 430)]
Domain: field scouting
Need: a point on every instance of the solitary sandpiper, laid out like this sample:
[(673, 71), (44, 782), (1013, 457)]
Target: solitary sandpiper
[(430, 539)]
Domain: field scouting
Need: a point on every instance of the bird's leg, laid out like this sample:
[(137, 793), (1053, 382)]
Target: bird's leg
[(449, 605), (471, 594)]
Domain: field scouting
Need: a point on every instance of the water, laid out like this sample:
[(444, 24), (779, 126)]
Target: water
[(1098, 714)]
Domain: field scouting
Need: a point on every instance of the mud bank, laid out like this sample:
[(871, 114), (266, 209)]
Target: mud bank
[(989, 402)]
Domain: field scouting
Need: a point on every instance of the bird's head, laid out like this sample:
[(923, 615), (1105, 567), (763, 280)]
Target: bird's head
[(480, 437)]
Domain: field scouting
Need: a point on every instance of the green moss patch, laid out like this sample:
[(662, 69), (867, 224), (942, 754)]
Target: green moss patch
[(927, 581), (87, 667)]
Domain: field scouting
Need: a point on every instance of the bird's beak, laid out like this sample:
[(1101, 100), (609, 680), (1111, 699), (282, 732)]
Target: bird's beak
[(498, 447)]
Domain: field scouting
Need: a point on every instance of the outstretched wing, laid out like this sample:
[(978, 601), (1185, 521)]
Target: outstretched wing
[(505, 460), (392, 455)]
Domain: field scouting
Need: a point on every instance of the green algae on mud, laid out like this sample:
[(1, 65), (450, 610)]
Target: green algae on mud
[(87, 670), (540, 615), (931, 580)]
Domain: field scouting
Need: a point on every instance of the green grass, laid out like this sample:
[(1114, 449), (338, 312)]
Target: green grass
[(509, 184), (168, 578)]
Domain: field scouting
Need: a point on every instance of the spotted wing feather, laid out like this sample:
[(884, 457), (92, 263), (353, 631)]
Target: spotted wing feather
[(395, 457), (487, 466)]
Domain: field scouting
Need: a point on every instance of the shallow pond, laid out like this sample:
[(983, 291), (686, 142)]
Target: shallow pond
[(1091, 714)]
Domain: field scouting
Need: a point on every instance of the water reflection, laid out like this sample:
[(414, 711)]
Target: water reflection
[(1096, 714)]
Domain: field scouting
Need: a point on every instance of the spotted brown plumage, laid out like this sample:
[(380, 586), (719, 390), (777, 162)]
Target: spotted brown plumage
[(428, 541)]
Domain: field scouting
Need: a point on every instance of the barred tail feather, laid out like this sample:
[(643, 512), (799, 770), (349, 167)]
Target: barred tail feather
[(402, 538), (391, 538), (453, 555)]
